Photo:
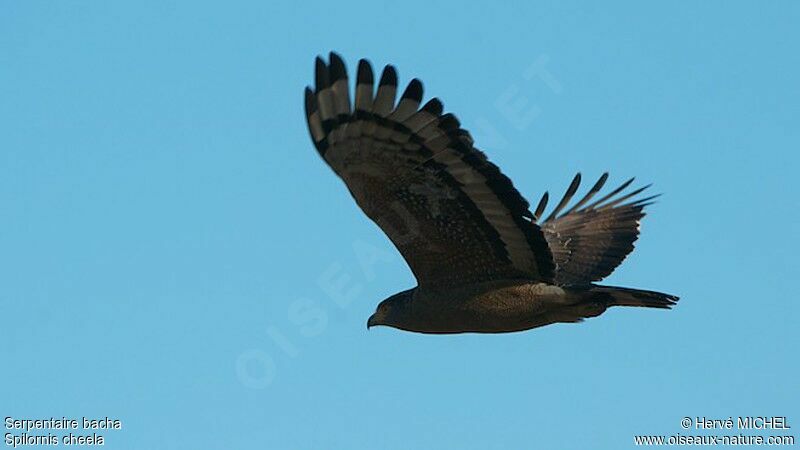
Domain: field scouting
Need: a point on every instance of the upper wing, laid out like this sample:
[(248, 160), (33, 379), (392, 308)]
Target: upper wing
[(589, 242), (450, 212)]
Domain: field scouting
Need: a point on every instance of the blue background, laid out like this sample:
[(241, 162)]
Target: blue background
[(173, 252)]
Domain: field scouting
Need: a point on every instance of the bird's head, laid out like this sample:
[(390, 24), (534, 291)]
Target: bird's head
[(395, 311)]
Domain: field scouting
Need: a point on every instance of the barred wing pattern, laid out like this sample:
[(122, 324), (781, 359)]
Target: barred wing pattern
[(589, 241), (415, 172)]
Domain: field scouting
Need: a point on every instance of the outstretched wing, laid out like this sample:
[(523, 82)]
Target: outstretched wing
[(450, 212), (590, 240)]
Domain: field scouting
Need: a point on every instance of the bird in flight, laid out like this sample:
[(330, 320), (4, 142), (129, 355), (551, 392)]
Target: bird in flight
[(484, 262)]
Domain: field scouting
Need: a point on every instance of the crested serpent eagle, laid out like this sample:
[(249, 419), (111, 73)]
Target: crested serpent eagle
[(484, 262)]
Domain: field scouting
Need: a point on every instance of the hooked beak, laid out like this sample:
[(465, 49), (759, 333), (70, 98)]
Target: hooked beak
[(371, 322)]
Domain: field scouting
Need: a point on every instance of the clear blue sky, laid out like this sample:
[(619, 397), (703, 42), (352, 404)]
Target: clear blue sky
[(169, 236)]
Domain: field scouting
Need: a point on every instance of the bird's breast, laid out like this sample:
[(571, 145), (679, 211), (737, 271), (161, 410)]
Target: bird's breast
[(491, 308)]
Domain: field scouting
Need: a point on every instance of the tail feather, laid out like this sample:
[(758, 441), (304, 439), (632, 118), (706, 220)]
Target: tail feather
[(620, 296)]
